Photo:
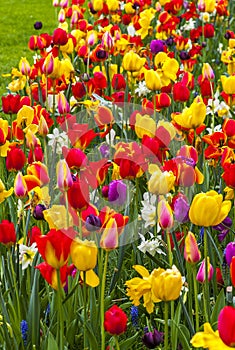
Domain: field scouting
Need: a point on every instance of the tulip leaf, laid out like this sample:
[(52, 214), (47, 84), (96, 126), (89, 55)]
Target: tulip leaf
[(174, 326), (128, 343), (220, 303), (51, 344), (92, 338)]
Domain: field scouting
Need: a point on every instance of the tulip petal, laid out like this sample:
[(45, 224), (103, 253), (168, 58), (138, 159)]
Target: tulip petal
[(92, 279)]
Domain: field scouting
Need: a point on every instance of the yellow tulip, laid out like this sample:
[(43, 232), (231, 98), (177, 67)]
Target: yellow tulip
[(228, 84), (160, 182), (193, 116), (3, 192), (208, 209), (152, 80), (133, 62), (56, 217), (84, 257), (166, 284), (209, 6), (144, 125), (25, 116), (209, 339)]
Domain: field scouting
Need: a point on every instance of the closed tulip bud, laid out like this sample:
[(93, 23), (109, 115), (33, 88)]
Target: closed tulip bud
[(39, 170), (152, 339), (63, 105), (165, 216), (166, 284), (181, 209), (152, 80), (145, 125), (191, 252), (107, 40), (201, 275), (59, 37), (109, 238), (228, 84), (117, 192), (43, 129), (118, 82), (93, 223), (15, 159), (64, 177), (132, 62), (207, 72), (78, 195), (7, 233), (208, 209), (24, 66), (38, 212), (20, 187), (61, 16), (48, 65), (115, 320)]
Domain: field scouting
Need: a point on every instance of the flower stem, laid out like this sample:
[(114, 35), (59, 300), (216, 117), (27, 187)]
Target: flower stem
[(116, 343), (206, 285), (60, 327), (166, 307), (195, 298), (85, 310), (102, 301)]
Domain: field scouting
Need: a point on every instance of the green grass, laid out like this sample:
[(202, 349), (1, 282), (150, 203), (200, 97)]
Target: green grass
[(16, 27)]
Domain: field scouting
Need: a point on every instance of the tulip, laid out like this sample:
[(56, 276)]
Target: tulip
[(78, 195), (63, 105), (64, 176), (118, 82), (157, 46), (11, 103), (54, 248), (39, 170), (152, 80), (75, 158), (229, 252), (7, 233), (132, 62), (24, 66), (115, 320), (84, 257), (152, 339), (232, 270), (103, 116), (20, 187), (166, 284), (201, 275), (49, 273), (117, 192), (181, 209), (145, 125), (226, 325), (79, 90), (191, 252), (228, 84), (207, 72), (16, 159), (38, 212), (229, 175), (165, 216), (93, 223), (48, 65), (59, 37), (57, 217), (109, 238), (160, 182), (208, 209)]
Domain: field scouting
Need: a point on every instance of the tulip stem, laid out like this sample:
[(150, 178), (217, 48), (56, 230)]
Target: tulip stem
[(166, 307), (85, 308), (60, 329), (102, 301), (205, 287), (116, 343), (196, 298), (169, 248)]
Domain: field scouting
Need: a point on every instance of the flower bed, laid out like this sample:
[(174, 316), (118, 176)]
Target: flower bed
[(117, 180)]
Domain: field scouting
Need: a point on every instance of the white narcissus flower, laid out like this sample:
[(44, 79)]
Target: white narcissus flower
[(57, 140), (27, 254), (152, 246), (148, 212), (142, 89)]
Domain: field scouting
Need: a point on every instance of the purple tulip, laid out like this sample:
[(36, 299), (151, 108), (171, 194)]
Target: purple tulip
[(157, 46), (38, 212), (152, 339), (93, 223), (223, 228), (181, 209), (117, 192), (229, 252)]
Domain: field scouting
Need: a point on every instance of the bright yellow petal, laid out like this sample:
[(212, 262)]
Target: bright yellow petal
[(141, 270), (208, 339), (91, 278)]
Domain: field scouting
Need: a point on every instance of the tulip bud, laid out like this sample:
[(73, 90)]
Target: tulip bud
[(229, 252), (117, 192), (20, 187), (115, 320), (61, 16), (93, 223), (207, 72), (181, 209), (191, 252), (152, 339), (226, 322), (165, 216), (201, 275), (48, 65), (38, 212), (84, 254), (7, 233), (24, 66), (109, 238), (64, 177), (43, 129), (63, 105)]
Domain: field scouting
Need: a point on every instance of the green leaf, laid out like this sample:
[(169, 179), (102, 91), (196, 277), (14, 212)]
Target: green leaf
[(184, 337), (91, 338), (51, 344), (220, 303), (174, 326), (127, 344)]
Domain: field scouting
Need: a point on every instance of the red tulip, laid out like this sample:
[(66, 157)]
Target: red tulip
[(50, 274), (59, 37), (115, 320), (7, 233), (78, 195), (226, 325), (54, 247), (15, 159), (11, 104)]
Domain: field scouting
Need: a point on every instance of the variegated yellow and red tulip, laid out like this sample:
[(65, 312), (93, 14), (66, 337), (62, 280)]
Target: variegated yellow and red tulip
[(109, 238), (64, 176), (165, 215), (191, 252), (20, 187), (39, 170)]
